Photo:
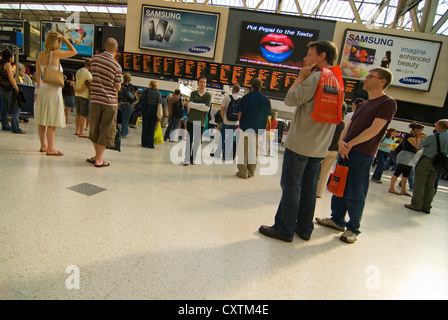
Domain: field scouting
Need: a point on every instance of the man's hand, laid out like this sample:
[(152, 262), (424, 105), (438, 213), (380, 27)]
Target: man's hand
[(344, 149)]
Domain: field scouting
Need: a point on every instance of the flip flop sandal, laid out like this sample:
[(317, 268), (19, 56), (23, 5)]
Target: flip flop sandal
[(59, 154), (91, 160), (104, 164)]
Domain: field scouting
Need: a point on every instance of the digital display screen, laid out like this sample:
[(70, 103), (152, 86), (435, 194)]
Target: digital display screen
[(201, 70), (157, 65), (277, 79), (265, 76), (225, 74), (179, 68), (127, 61), (168, 66), (190, 69), (213, 72), (238, 75), (274, 46), (147, 64)]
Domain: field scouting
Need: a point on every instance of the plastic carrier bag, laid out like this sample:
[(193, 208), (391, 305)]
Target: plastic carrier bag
[(329, 96)]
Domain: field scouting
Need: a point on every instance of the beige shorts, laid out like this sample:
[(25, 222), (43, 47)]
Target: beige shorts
[(103, 124)]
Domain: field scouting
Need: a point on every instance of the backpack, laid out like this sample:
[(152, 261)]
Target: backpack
[(126, 94), (440, 161), (232, 109), (178, 109), (329, 96)]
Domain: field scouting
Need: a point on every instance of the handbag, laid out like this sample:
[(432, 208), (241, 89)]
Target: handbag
[(4, 82), (51, 76), (338, 179), (117, 141), (159, 111)]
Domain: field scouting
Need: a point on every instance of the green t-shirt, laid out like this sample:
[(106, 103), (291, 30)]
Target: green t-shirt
[(196, 115)]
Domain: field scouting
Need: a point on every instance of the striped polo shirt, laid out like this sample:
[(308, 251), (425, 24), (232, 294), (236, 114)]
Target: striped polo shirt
[(106, 73)]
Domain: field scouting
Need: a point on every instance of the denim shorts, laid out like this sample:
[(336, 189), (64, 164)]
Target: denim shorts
[(69, 101)]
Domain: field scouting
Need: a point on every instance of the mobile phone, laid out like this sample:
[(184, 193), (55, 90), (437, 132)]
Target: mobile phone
[(152, 34), (168, 33), (161, 28)]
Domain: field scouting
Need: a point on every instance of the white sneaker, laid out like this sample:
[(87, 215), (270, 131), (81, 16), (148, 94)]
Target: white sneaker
[(348, 236)]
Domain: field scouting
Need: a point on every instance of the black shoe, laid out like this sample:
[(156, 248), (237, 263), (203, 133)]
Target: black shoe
[(303, 237), (272, 233)]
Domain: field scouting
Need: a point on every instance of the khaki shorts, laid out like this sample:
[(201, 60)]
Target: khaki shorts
[(82, 106), (103, 124)]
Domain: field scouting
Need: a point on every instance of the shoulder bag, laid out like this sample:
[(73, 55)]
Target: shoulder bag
[(338, 179), (52, 76), (440, 161)]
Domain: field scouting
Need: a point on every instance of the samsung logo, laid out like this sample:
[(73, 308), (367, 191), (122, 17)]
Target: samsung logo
[(199, 49), (162, 14), (412, 80), (371, 40)]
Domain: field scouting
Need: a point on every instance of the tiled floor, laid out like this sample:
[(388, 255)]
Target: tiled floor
[(145, 228)]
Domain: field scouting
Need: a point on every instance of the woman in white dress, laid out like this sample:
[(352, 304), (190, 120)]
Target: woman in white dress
[(49, 105)]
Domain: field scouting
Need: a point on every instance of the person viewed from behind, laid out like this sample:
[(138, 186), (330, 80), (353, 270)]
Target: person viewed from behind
[(355, 105), (126, 101), (253, 111), (82, 97), (106, 83), (152, 97), (358, 145), (175, 112), (68, 94), (228, 127), (305, 147), (386, 144), (425, 173), (49, 105), (7, 74), (409, 149)]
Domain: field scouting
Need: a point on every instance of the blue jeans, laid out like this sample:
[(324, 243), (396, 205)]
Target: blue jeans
[(381, 157), (299, 182), (226, 141), (355, 192), (126, 111), (173, 124), (6, 98)]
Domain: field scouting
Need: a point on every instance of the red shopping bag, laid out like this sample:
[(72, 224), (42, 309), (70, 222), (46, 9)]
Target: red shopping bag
[(338, 179), (329, 96)]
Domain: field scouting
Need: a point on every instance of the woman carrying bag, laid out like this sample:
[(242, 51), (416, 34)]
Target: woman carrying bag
[(8, 88), (49, 105), (152, 98)]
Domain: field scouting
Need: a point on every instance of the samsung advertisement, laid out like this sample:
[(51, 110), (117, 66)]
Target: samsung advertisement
[(411, 61), (267, 45), (179, 31)]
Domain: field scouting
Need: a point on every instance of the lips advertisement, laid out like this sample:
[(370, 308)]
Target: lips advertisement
[(411, 61), (179, 31), (274, 46)]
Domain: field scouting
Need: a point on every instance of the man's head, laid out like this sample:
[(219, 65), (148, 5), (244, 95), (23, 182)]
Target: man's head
[(111, 46), (377, 79), (236, 88), (87, 63), (256, 83), (202, 83), (323, 53), (22, 69), (177, 92), (441, 125)]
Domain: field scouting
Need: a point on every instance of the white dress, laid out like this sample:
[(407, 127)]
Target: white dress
[(49, 105)]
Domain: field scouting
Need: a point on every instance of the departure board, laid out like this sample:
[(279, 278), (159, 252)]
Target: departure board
[(127, 61), (265, 76), (225, 74), (213, 72), (157, 65), (277, 79), (249, 75), (201, 70), (147, 63), (350, 90), (238, 75), (137, 62), (190, 69), (179, 68), (168, 66), (290, 77)]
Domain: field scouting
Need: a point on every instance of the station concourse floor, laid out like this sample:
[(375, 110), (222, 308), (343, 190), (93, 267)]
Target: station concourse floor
[(145, 228)]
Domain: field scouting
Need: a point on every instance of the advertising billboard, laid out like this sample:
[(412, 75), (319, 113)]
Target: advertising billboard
[(179, 31), (411, 61)]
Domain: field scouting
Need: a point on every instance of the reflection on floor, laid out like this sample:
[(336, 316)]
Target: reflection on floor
[(145, 228)]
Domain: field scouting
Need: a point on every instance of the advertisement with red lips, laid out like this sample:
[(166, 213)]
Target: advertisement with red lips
[(275, 46)]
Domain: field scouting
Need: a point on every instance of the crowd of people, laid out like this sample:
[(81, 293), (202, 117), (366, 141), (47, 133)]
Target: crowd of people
[(105, 99)]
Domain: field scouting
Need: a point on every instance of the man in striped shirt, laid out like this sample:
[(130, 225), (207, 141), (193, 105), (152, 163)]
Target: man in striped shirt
[(106, 82)]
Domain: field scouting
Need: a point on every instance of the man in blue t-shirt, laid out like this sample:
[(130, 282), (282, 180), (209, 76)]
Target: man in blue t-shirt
[(254, 109)]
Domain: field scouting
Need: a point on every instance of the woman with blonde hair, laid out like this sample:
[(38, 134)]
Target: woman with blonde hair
[(151, 97), (49, 105)]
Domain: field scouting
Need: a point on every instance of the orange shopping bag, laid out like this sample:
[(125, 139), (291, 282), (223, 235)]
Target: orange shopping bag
[(338, 179)]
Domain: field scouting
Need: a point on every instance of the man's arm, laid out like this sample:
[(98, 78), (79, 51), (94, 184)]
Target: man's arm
[(369, 133)]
